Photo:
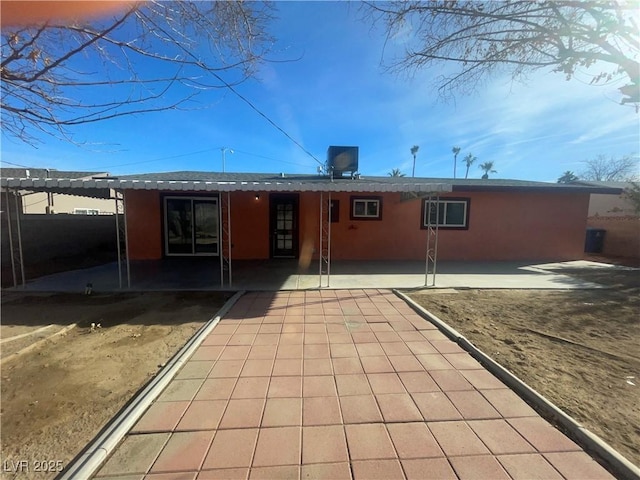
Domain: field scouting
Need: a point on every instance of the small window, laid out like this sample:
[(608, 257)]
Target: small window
[(86, 211), (366, 208), (452, 213)]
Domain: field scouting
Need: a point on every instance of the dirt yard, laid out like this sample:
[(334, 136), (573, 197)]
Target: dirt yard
[(55, 398), (580, 349)]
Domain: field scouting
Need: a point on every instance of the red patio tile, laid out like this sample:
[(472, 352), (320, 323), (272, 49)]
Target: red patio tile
[(383, 327), (291, 338), (428, 469), (411, 336), (346, 366), (289, 351), (472, 405), (324, 445), (352, 384), (528, 467), (500, 437), (422, 347), (165, 476), (322, 471), (508, 403), (457, 438), (406, 363), (216, 389), (398, 407), (282, 412), (542, 435), (226, 369), (135, 454), (243, 339), (207, 352), (263, 352), (287, 367), (179, 390), (369, 349), (273, 319), (376, 318), (231, 448), (321, 411), (337, 328), (318, 366), (224, 327), (463, 361), (334, 319), (360, 409), (316, 351), (161, 417), (224, 474), (270, 328), (418, 382), (385, 383), (450, 380), (343, 350), (293, 328), (369, 442), (379, 364), (413, 440), (363, 337), (577, 466), (242, 413), (435, 406), (399, 324), (266, 339), (278, 446), (283, 472), (184, 451), (315, 328), (251, 387), (377, 470), (434, 361), (257, 368), (480, 467), (482, 379), (395, 348), (388, 337), (246, 328), (447, 346), (318, 386), (281, 387), (235, 352), (202, 415), (340, 338), (294, 319)]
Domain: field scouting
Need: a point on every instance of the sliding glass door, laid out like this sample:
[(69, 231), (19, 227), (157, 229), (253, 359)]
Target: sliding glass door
[(191, 226)]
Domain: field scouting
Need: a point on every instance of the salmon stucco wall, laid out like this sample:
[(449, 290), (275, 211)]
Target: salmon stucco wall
[(622, 235), (144, 224), (502, 226)]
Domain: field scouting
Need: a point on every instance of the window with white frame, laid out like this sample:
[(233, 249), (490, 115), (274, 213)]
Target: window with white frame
[(448, 213), (366, 208)]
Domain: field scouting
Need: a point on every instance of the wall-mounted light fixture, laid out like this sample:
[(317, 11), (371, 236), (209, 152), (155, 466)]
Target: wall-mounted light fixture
[(257, 196)]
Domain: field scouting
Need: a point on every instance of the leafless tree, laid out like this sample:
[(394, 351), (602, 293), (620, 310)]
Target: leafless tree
[(481, 37), (611, 169), (59, 74)]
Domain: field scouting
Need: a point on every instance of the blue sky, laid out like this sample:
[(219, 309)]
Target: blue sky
[(338, 94)]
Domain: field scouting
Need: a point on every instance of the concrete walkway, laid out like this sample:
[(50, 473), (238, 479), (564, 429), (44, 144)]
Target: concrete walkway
[(339, 384), (275, 275)]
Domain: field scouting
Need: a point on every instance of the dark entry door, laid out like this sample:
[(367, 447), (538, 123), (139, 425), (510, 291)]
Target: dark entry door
[(284, 225)]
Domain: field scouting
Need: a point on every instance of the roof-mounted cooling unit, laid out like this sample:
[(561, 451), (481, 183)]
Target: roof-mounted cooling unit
[(342, 159)]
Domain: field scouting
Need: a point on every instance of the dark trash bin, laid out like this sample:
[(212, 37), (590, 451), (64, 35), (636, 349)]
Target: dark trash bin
[(595, 240)]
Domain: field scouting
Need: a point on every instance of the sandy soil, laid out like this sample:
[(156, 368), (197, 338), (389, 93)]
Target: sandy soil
[(578, 348), (57, 397)]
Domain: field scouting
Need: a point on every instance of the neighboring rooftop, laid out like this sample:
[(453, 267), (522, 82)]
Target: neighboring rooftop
[(46, 173)]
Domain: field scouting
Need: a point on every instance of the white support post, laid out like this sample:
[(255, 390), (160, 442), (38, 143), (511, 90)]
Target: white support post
[(19, 228), (126, 239), (329, 242), (220, 238), (13, 260), (118, 242)]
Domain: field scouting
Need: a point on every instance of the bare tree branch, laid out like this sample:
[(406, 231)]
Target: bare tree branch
[(55, 76), (521, 35)]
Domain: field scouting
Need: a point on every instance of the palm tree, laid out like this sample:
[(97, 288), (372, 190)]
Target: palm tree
[(568, 177), (469, 159), (414, 151), (456, 151), (396, 173), (487, 168)]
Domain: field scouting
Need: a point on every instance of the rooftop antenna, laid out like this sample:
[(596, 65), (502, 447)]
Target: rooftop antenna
[(224, 150)]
